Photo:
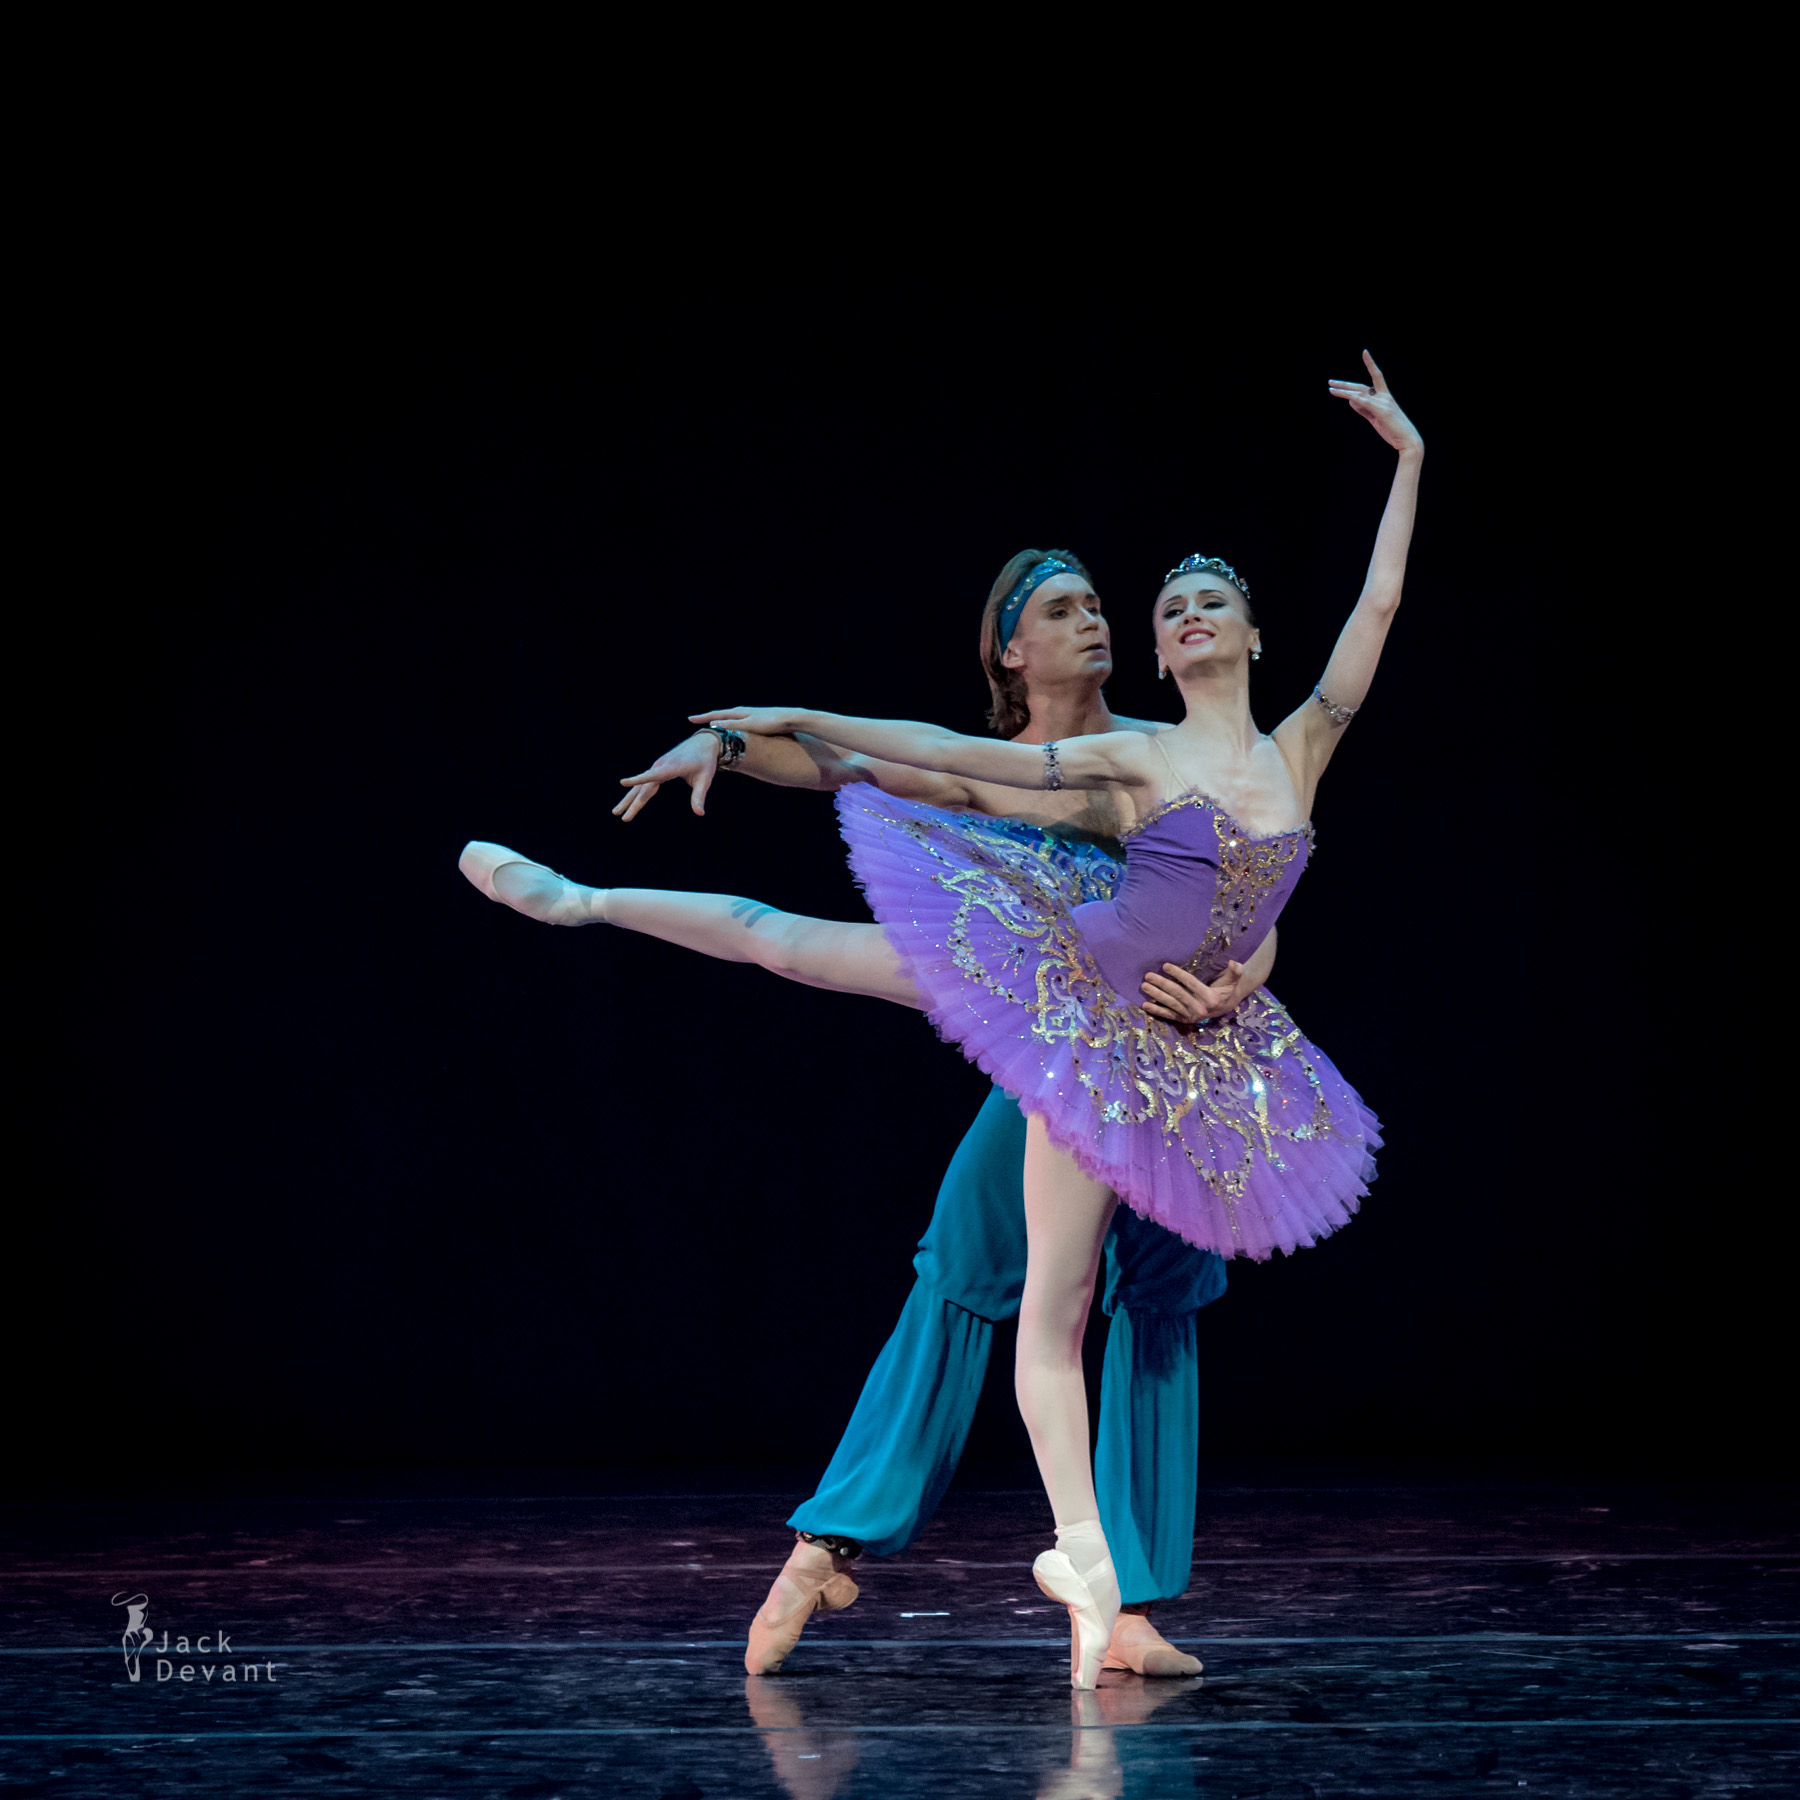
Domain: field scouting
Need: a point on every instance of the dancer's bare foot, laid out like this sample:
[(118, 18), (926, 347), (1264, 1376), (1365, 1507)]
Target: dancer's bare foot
[(528, 887), (1138, 1646), (813, 1578)]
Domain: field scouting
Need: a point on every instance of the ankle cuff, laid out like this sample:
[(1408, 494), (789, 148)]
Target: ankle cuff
[(838, 1546)]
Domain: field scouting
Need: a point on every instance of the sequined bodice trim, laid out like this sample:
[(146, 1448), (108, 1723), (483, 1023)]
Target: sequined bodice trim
[(1193, 797)]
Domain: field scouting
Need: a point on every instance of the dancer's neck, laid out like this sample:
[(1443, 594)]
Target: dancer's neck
[(1058, 713), (1218, 710)]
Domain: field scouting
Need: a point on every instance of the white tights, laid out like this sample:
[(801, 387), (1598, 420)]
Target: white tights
[(824, 953)]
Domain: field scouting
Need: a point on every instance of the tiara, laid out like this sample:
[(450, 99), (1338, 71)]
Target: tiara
[(1214, 565)]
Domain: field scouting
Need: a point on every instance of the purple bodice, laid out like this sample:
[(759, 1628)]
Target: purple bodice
[(1197, 890)]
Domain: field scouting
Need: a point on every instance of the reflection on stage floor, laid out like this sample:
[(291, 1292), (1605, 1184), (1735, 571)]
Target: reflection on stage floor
[(441, 1637)]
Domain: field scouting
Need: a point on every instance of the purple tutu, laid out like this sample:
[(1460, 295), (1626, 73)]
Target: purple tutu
[(1028, 948)]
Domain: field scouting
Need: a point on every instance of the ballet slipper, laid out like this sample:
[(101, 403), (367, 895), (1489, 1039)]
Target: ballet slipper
[(482, 862), (1093, 1605), (1138, 1646), (813, 1578)]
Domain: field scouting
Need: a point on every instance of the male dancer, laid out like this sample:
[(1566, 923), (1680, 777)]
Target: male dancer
[(1047, 652)]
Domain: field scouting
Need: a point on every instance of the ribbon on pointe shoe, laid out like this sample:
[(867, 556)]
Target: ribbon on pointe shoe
[(1138, 1646), (1090, 1627), (813, 1579)]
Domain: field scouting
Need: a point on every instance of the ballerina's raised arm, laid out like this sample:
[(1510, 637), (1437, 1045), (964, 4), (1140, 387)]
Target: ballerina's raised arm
[(1123, 759), (1307, 737)]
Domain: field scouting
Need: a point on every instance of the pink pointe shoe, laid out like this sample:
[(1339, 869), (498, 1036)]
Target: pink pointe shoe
[(813, 1579), (551, 898), (1138, 1646), (1093, 1603)]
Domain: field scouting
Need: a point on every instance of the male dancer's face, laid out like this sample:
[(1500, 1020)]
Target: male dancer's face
[(1062, 638)]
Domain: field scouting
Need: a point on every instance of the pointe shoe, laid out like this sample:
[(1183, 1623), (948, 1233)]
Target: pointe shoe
[(1093, 1605), (1138, 1646), (812, 1579), (572, 906)]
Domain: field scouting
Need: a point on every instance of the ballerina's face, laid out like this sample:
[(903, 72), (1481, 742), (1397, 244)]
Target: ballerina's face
[(1062, 635), (1202, 618)]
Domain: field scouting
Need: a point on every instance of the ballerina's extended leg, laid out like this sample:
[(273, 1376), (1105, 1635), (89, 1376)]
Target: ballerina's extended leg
[(826, 953)]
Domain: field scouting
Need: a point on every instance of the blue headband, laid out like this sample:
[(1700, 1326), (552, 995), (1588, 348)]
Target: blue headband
[(1023, 588)]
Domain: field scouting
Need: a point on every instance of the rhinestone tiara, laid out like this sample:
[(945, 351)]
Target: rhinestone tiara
[(1213, 565)]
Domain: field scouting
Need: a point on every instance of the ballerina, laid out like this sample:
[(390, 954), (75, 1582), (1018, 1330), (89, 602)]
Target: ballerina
[(1046, 650), (1244, 1140)]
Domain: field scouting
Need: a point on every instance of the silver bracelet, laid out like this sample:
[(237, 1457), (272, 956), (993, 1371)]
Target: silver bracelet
[(1338, 715), (1052, 773)]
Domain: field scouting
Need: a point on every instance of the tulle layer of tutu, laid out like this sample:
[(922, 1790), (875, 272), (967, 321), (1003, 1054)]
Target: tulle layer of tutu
[(1240, 1137)]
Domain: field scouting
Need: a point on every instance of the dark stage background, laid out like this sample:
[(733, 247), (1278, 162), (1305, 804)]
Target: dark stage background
[(355, 1167)]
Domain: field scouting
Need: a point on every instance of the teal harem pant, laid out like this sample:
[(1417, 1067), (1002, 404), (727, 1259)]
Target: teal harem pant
[(909, 1427)]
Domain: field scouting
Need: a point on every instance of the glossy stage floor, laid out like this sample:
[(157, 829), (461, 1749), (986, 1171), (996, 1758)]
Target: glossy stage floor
[(1359, 1639)]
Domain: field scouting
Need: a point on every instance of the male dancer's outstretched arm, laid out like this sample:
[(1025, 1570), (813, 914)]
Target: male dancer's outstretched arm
[(801, 761)]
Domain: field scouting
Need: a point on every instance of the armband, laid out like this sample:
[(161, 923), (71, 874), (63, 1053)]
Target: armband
[(1338, 715)]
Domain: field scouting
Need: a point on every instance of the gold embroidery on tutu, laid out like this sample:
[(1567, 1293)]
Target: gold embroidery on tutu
[(1224, 1071)]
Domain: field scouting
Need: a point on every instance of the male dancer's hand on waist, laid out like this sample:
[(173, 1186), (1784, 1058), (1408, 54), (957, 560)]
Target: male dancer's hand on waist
[(1181, 997)]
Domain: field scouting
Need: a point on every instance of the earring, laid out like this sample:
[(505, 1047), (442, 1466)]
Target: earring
[(1256, 656), (1162, 668)]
